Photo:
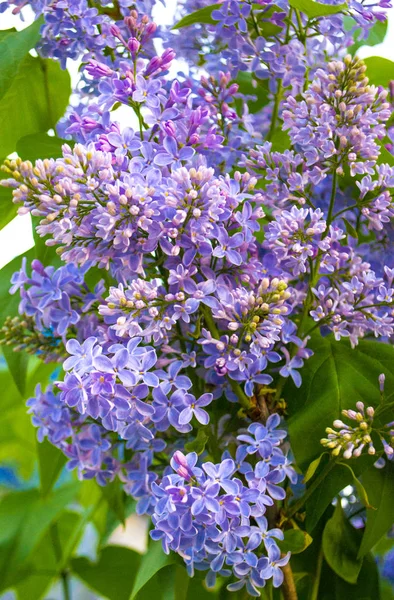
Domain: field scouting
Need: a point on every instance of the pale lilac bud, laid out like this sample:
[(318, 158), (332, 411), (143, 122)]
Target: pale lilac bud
[(382, 378)]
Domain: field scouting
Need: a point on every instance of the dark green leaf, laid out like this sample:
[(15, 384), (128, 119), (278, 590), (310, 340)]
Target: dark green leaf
[(336, 377), (50, 462), (40, 145), (315, 9), (338, 478), (113, 575), (295, 541), (204, 15), (367, 586), (380, 71), (40, 91), (198, 444), (14, 45), (340, 546), (152, 562), (379, 484)]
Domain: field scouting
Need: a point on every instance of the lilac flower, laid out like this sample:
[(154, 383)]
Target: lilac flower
[(227, 245), (82, 356), (194, 408)]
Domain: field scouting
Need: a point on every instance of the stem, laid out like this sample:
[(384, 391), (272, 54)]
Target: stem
[(294, 508), (66, 585), (316, 581), (289, 588), (332, 199), (275, 110)]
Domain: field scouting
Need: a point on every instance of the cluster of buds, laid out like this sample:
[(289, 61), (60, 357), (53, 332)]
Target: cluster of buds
[(351, 440), (21, 334)]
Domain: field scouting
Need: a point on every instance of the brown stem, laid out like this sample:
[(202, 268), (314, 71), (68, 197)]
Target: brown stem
[(289, 588)]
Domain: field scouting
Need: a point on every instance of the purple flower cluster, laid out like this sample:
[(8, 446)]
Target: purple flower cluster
[(214, 516)]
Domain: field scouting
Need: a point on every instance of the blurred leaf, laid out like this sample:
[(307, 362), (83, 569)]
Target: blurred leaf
[(350, 230), (17, 365), (340, 546), (336, 377), (380, 71), (204, 15), (295, 541), (115, 496), (40, 145), (24, 518), (376, 35), (249, 86), (51, 461), (41, 91), (152, 562), (40, 571), (380, 486), (198, 444), (9, 303), (280, 141), (367, 586), (316, 9), (361, 491), (114, 573), (14, 45)]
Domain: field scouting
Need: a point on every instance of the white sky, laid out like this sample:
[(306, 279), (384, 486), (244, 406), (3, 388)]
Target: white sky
[(17, 237)]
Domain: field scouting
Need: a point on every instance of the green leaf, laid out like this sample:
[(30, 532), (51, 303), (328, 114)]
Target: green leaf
[(113, 575), (315, 9), (41, 91), (114, 495), (40, 145), (350, 229), (361, 491), (198, 444), (280, 141), (380, 71), (14, 46), (17, 365), (24, 518), (335, 378), (248, 86), (50, 463), (376, 35), (152, 562), (367, 586), (338, 478), (385, 155), (8, 210), (340, 546), (380, 486), (311, 470), (295, 541), (204, 15)]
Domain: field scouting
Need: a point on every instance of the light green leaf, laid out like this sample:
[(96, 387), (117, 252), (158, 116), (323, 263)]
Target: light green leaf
[(380, 71), (340, 546), (280, 141), (315, 9), (311, 470), (350, 230), (152, 562), (248, 86), (34, 102), (50, 463), (114, 573), (295, 541), (203, 15), (361, 491), (376, 35), (17, 365), (379, 484), (14, 46)]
